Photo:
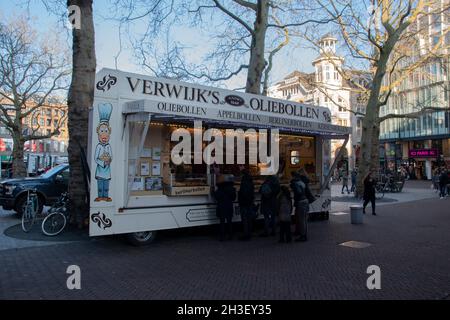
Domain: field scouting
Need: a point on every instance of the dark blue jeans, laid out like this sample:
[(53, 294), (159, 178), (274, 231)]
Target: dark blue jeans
[(226, 227), (301, 215), (247, 220), (443, 190), (269, 218)]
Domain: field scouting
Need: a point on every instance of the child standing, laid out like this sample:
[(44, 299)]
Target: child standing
[(284, 202)]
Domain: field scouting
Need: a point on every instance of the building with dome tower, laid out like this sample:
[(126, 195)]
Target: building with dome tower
[(334, 87)]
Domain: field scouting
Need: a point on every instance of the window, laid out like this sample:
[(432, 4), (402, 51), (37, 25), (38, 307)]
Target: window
[(319, 74), (341, 101), (295, 157), (435, 40), (65, 175), (49, 122), (327, 72), (41, 121)]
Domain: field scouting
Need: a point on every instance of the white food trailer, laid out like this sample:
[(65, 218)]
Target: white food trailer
[(135, 187)]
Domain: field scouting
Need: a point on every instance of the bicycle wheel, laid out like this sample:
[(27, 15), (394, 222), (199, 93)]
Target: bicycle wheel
[(53, 224), (379, 192), (28, 218)]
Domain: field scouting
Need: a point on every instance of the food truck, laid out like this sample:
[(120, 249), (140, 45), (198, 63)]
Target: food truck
[(136, 186)]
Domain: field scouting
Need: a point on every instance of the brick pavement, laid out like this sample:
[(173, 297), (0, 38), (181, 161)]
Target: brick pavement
[(410, 242)]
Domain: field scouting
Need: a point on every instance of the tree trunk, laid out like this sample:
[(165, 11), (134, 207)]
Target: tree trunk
[(80, 100), (257, 61), (18, 166), (369, 161)]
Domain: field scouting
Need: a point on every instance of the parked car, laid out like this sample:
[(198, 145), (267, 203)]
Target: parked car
[(49, 186)]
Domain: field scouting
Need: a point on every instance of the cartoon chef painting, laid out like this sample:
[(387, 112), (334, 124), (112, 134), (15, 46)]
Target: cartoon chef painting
[(103, 153)]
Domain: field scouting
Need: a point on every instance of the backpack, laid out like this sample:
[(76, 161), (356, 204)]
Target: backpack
[(266, 190), (299, 187)]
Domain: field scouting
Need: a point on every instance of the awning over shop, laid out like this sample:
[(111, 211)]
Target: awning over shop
[(211, 116)]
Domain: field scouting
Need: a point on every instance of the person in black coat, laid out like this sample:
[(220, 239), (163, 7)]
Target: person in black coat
[(246, 199), (443, 182), (302, 198), (269, 191), (225, 195), (369, 192)]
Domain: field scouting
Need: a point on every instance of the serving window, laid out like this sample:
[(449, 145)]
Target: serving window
[(151, 171)]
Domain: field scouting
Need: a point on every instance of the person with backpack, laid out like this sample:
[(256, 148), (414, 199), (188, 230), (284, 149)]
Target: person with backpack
[(369, 192), (301, 204), (354, 174), (284, 202), (443, 181), (345, 182), (224, 196), (269, 191), (246, 198)]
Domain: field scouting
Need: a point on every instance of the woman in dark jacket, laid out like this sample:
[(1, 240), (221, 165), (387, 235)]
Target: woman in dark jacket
[(269, 191), (443, 182), (225, 195), (246, 199), (369, 192)]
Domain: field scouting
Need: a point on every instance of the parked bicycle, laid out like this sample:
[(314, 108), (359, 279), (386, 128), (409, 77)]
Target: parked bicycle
[(56, 219), (30, 210), (379, 190)]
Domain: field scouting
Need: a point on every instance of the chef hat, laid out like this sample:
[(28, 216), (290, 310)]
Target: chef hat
[(104, 111)]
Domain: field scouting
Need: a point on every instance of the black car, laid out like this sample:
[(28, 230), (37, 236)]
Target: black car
[(49, 186)]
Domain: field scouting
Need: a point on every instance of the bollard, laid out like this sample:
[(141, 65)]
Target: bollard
[(356, 214)]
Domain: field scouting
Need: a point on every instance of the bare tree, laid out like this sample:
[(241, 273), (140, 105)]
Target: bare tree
[(393, 46), (33, 71), (80, 101), (244, 36)]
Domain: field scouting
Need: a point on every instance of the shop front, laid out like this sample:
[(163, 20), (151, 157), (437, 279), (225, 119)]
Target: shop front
[(142, 126)]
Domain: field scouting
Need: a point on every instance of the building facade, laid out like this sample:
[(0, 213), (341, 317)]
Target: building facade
[(422, 143), (39, 153), (334, 87)]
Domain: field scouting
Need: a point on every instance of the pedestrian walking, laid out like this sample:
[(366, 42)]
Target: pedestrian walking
[(353, 177), (301, 205), (443, 181), (435, 180), (284, 202), (246, 198), (269, 191), (224, 196), (345, 182), (369, 192)]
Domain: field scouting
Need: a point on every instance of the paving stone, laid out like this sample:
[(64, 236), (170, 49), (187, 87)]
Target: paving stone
[(409, 241)]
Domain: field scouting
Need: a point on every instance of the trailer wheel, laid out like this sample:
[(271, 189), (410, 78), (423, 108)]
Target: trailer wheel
[(143, 238)]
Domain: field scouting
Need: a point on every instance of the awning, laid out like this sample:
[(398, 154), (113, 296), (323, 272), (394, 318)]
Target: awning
[(142, 109)]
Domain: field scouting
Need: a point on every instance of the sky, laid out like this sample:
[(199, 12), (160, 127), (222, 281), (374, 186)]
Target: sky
[(107, 41)]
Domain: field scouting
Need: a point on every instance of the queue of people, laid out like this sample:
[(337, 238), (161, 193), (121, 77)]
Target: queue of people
[(276, 206)]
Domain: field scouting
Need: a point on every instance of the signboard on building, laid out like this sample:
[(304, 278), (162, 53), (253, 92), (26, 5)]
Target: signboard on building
[(423, 153)]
